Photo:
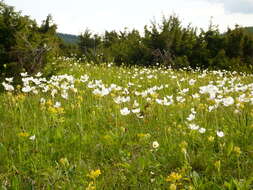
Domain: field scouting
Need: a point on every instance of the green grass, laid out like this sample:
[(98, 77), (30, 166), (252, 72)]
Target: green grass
[(86, 143)]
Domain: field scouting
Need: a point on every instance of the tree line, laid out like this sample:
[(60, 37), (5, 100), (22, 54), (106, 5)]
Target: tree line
[(27, 46), (170, 44)]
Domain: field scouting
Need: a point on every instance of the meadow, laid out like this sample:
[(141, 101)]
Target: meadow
[(108, 127)]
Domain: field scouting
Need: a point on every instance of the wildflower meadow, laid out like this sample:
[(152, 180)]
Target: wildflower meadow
[(101, 126)]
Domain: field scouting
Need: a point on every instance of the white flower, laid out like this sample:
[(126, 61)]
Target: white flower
[(195, 96), (96, 92), (64, 95), (193, 111), (125, 111), (155, 144), (39, 74), (57, 104), (105, 91), (136, 104), (220, 133), (185, 90), (24, 74), (42, 101), (191, 117), (180, 99), (209, 89), (191, 82), (26, 89), (193, 127), (210, 108), (8, 87), (84, 78), (53, 92), (228, 101), (140, 116), (136, 110), (202, 130), (32, 137), (9, 79)]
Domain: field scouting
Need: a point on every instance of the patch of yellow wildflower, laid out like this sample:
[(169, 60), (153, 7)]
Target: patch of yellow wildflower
[(64, 161), (94, 174), (174, 177), (23, 134)]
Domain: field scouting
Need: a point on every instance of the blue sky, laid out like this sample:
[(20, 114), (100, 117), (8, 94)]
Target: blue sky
[(99, 15)]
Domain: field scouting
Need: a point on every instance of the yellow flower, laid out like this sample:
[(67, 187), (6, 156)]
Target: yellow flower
[(217, 165), (94, 174), (211, 138), (237, 150), (52, 110), (154, 95), (64, 161), (49, 103), (173, 177), (23, 134), (173, 186), (143, 136), (60, 110)]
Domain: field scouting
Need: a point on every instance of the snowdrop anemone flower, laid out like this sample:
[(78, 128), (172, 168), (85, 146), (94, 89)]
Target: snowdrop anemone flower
[(57, 104), (139, 115), (53, 92), (209, 89), (228, 101), (8, 87), (180, 99), (9, 79), (155, 144), (136, 110), (193, 127), (192, 82), (39, 74), (220, 134), (195, 96), (26, 89), (42, 100), (84, 78), (64, 94), (202, 130), (136, 104), (32, 138), (24, 74), (191, 117), (125, 111)]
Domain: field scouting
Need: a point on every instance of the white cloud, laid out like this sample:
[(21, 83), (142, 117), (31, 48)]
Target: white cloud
[(98, 15), (236, 6)]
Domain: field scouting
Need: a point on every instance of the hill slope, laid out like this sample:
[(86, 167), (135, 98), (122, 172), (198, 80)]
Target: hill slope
[(69, 38), (249, 29)]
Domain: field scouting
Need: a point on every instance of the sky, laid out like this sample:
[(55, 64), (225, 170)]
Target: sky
[(74, 16)]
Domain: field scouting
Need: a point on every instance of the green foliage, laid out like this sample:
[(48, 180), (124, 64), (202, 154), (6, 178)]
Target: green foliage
[(171, 44), (25, 46)]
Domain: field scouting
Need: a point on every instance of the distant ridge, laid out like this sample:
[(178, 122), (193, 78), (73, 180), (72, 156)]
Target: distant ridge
[(69, 38), (249, 29)]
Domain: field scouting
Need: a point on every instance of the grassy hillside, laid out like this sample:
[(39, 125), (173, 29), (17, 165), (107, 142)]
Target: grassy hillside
[(107, 127), (69, 38)]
